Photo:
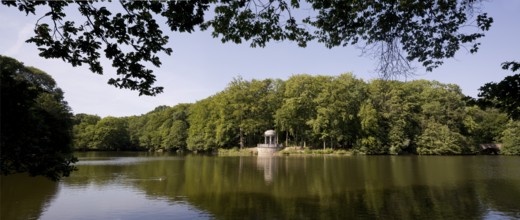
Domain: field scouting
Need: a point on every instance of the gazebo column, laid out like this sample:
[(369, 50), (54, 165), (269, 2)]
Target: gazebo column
[(270, 138)]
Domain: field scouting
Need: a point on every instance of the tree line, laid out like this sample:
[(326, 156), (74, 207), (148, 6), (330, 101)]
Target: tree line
[(39, 132), (338, 112)]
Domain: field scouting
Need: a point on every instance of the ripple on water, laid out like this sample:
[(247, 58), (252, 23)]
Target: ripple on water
[(118, 160)]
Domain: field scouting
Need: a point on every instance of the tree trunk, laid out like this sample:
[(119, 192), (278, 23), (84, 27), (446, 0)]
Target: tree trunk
[(286, 138), (296, 139), (241, 138)]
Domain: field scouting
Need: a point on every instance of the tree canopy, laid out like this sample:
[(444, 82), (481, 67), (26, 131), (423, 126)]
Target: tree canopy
[(339, 112), (131, 37), (36, 132)]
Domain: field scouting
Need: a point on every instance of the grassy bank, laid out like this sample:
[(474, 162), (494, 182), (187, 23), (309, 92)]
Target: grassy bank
[(237, 151), (308, 151), (287, 151)]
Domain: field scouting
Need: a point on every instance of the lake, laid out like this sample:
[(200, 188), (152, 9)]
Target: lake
[(168, 186)]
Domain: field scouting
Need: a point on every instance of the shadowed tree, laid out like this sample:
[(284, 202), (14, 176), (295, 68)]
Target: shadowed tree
[(504, 95), (36, 123)]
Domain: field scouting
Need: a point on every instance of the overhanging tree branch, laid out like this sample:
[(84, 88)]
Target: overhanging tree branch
[(400, 32)]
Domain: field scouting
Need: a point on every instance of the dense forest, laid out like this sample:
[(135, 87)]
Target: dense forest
[(338, 112)]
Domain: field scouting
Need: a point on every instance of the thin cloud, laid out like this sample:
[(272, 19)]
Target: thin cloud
[(23, 35)]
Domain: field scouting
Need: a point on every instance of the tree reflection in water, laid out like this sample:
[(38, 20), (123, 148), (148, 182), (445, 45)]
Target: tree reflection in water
[(309, 187), (25, 197)]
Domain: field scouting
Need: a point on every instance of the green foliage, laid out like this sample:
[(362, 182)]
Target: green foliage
[(484, 126), (317, 112), (111, 133), (163, 128), (404, 115), (401, 31), (337, 110), (84, 128), (442, 120), (202, 130), (438, 139), (36, 128), (374, 123), (236, 116), (503, 95), (511, 139), (299, 108), (174, 136)]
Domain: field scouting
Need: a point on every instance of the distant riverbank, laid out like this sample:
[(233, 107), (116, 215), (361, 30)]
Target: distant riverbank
[(308, 151), (252, 151), (286, 151)]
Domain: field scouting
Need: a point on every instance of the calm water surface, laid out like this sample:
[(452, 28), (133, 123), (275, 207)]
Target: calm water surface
[(164, 186)]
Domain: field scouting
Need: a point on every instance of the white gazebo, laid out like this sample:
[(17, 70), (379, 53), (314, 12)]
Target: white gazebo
[(270, 140), (270, 145), (270, 137)]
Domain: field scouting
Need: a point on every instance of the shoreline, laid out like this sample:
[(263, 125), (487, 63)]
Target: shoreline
[(288, 151)]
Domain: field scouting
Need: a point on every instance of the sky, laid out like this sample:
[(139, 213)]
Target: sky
[(201, 66)]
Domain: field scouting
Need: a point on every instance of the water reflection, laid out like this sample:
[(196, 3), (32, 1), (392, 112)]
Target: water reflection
[(202, 187), (24, 197), (268, 165)]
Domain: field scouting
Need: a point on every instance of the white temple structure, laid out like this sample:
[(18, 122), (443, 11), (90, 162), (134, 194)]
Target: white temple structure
[(270, 140), (270, 145)]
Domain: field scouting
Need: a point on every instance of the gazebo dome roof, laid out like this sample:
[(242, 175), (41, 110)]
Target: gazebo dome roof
[(270, 133)]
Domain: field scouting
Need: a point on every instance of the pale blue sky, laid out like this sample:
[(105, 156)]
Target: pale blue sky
[(200, 66)]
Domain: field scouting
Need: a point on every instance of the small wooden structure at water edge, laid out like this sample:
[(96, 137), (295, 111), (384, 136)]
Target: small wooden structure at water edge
[(270, 145), (490, 148)]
